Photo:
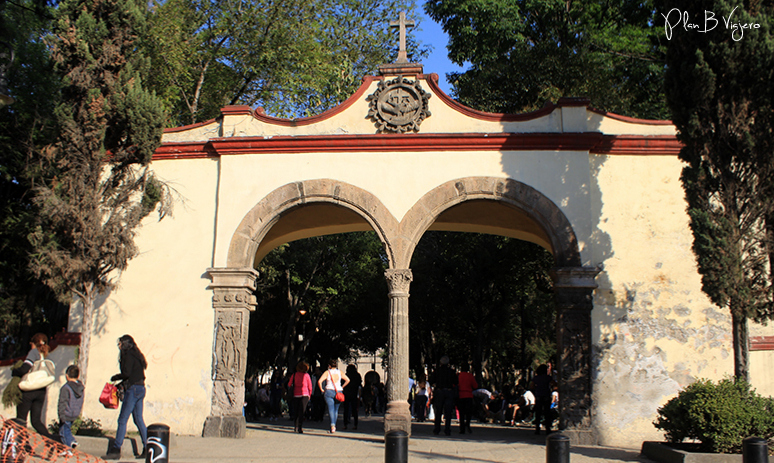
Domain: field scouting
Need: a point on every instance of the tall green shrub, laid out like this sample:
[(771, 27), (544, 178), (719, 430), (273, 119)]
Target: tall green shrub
[(720, 416)]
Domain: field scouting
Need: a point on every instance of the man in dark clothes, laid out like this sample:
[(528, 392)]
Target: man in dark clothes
[(443, 381)]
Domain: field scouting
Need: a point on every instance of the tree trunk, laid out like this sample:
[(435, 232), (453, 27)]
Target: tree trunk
[(87, 302), (741, 346)]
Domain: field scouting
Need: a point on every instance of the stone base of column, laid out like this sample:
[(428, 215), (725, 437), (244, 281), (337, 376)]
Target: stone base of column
[(397, 417), (225, 426), (581, 436)]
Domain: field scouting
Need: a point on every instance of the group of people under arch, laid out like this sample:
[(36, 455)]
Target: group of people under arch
[(449, 394), (444, 396)]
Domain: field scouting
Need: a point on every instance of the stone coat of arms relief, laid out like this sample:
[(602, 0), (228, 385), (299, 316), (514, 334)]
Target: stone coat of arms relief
[(398, 105)]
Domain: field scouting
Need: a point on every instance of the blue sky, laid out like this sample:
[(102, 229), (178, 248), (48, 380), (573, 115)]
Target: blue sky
[(437, 62)]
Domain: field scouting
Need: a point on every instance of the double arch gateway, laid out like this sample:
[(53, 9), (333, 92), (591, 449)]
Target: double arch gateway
[(529, 214), (598, 190)]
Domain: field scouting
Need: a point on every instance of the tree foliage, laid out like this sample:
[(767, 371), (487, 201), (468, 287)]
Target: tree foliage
[(99, 187), (338, 281), (26, 305), (720, 96), (720, 416), (524, 53), (294, 58), (483, 299)]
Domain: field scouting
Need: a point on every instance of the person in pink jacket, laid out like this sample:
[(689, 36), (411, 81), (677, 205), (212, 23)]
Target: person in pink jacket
[(301, 385)]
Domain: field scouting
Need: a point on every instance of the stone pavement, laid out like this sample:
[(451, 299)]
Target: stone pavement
[(274, 441)]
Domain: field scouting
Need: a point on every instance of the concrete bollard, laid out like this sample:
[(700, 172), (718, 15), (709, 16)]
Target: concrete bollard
[(557, 448), (157, 448), (396, 447), (755, 450)]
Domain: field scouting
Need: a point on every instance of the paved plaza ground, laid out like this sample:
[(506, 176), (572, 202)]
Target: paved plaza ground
[(275, 441)]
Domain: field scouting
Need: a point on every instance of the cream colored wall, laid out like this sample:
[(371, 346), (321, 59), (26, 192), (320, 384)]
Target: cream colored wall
[(163, 303), (762, 372), (561, 176)]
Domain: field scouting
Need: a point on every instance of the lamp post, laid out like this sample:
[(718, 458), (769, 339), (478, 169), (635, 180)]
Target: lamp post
[(6, 58)]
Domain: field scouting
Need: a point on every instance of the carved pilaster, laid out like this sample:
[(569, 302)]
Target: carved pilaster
[(398, 415), (574, 288), (232, 300)]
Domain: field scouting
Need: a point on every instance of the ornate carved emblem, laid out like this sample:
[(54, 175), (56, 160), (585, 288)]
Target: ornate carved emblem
[(398, 105)]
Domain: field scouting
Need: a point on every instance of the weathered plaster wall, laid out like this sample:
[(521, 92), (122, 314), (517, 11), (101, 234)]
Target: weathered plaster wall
[(654, 330)]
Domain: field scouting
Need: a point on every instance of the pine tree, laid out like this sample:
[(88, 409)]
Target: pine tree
[(109, 127), (720, 95)]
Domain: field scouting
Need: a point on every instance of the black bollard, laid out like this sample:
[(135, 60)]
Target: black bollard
[(396, 447), (157, 448), (557, 448), (755, 450)]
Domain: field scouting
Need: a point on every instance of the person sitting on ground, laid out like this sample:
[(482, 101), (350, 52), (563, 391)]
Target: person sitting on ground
[(523, 408), (481, 398)]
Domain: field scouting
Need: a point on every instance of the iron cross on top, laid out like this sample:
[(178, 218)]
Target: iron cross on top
[(401, 25)]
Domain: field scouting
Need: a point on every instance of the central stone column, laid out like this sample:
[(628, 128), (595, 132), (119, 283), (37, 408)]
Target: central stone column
[(574, 292), (398, 415), (233, 300)]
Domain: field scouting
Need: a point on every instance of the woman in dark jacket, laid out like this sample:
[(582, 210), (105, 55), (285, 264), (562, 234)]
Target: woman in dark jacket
[(132, 378), (32, 401)]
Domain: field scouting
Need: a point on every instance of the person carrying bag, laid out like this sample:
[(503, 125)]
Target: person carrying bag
[(36, 374), (332, 379)]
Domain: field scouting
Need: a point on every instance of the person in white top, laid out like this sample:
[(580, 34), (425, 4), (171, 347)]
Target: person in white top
[(331, 383)]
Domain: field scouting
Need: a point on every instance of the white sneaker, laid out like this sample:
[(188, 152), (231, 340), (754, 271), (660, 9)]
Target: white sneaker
[(74, 444)]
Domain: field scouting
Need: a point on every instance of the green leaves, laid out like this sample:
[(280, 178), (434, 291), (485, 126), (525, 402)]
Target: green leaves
[(720, 96), (294, 58), (524, 53), (718, 415)]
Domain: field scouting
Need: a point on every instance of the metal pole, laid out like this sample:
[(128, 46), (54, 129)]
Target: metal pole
[(557, 448), (755, 450), (396, 447)]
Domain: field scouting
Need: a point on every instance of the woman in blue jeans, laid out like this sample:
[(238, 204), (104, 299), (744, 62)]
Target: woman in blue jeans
[(330, 382), (132, 376)]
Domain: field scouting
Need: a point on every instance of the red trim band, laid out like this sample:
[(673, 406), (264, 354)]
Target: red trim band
[(595, 143), (761, 343), (59, 339)]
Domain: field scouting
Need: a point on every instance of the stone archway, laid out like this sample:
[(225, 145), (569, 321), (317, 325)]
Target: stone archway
[(573, 283), (233, 285)]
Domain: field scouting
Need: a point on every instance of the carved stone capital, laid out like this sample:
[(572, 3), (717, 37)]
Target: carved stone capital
[(398, 281), (233, 288), (575, 277)]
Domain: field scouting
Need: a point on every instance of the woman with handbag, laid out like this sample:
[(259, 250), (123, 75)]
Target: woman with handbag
[(132, 376), (32, 401), (334, 394)]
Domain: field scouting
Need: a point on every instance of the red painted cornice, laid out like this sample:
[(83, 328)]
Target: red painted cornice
[(592, 142), (762, 343), (59, 339)]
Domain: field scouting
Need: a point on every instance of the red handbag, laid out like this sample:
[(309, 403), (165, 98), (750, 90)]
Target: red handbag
[(109, 396), (339, 397)]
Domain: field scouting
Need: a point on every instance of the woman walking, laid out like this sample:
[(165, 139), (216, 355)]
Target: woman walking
[(301, 385), (32, 401), (332, 379), (132, 376)]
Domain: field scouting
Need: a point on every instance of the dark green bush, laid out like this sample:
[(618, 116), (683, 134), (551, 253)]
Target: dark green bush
[(720, 416), (81, 427)]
